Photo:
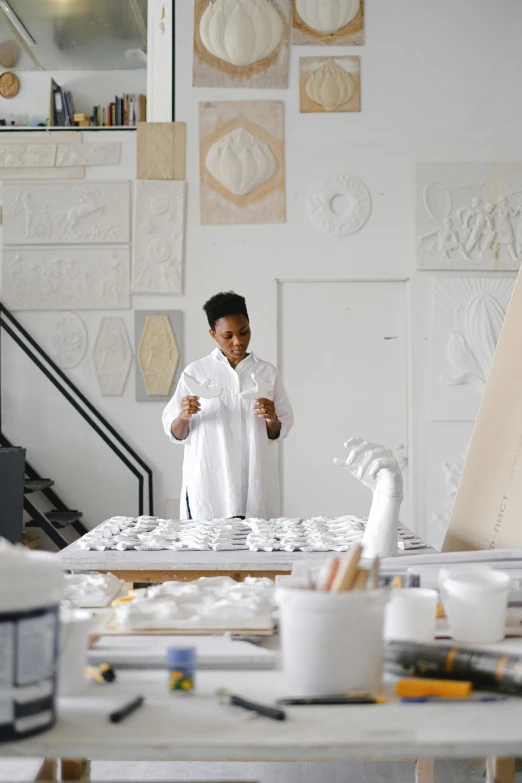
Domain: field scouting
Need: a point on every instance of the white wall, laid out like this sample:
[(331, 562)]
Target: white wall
[(440, 81), (159, 67)]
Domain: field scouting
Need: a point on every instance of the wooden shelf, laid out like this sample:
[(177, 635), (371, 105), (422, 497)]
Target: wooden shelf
[(19, 128)]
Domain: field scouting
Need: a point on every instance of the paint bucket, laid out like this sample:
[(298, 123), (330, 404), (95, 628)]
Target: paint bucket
[(75, 625), (31, 587), (331, 642)]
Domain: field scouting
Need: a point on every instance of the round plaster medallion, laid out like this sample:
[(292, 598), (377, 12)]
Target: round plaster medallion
[(340, 205), (9, 84), (67, 340)]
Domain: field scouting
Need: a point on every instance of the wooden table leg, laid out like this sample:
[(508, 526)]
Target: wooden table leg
[(76, 769), (48, 771), (500, 770), (424, 770)]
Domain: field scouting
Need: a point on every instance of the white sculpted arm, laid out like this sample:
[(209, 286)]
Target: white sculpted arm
[(376, 467)]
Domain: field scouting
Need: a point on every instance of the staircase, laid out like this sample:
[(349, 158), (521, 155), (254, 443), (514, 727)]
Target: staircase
[(53, 522)]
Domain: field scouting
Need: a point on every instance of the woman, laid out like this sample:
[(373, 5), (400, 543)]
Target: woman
[(230, 464)]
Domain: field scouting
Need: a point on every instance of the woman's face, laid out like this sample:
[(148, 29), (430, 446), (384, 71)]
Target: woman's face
[(232, 334)]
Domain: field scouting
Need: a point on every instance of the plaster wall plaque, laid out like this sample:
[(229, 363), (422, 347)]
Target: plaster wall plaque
[(340, 205), (159, 341), (242, 162), (112, 356), (42, 136), (66, 340), (330, 84), (158, 237), (161, 150), (334, 22), (54, 278), (469, 215), (89, 154), (241, 43), (468, 316), (27, 155), (43, 173), (41, 213)]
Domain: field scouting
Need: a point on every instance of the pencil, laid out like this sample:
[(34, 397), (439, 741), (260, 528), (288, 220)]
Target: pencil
[(347, 570)]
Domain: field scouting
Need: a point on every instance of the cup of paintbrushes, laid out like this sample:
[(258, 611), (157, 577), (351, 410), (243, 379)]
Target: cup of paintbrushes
[(332, 639)]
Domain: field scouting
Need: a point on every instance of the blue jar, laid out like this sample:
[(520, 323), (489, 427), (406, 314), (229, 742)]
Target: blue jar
[(181, 663)]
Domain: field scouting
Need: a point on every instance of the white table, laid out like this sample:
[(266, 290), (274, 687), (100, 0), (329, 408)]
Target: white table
[(199, 728)]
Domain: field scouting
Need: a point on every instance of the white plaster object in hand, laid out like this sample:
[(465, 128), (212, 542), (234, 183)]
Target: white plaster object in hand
[(203, 389), (376, 467), (260, 390)]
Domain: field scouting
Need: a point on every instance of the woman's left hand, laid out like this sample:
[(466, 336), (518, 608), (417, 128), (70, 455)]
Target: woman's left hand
[(265, 409)]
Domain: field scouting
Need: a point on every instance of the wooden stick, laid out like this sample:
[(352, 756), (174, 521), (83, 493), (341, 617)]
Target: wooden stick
[(374, 570), (331, 573), (347, 570), (361, 579)]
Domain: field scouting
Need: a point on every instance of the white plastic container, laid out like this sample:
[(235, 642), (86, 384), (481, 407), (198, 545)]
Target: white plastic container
[(75, 625), (475, 600), (411, 615), (31, 587), (331, 642)]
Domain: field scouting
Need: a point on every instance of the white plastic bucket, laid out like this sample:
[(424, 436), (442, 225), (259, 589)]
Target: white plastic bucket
[(411, 615), (331, 642), (31, 587), (475, 600), (75, 625)]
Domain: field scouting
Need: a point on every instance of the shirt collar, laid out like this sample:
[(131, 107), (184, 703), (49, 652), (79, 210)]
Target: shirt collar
[(220, 357)]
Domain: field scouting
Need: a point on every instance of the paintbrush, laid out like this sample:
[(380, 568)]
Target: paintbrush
[(348, 570)]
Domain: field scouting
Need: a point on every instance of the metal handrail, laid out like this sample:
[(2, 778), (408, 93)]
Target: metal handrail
[(70, 391)]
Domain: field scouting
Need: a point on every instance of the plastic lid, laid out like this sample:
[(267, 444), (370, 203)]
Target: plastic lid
[(179, 656)]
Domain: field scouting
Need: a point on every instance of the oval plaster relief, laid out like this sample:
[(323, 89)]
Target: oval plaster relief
[(67, 340), (241, 162), (330, 86), (327, 16), (241, 32), (340, 205)]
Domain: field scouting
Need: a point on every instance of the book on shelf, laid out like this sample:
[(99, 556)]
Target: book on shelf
[(125, 111)]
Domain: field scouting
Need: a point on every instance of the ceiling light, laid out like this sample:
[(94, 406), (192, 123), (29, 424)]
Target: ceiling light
[(16, 22)]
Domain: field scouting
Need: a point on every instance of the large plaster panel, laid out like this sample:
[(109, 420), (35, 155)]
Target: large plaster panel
[(112, 356), (242, 162), (42, 213), (468, 314), (88, 154), (158, 237), (331, 22), (27, 155), (161, 150), (469, 215), (55, 278), (157, 355)]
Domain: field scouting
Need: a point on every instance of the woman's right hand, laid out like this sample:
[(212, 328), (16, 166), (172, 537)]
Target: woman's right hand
[(189, 406)]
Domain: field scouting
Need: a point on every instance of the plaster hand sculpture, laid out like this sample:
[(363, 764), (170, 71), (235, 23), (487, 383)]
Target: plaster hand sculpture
[(203, 389), (260, 390), (376, 467)]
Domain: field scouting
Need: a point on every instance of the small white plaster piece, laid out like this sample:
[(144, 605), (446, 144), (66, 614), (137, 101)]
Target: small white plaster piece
[(91, 590), (88, 154), (327, 16), (340, 205), (27, 155), (241, 161), (260, 390), (201, 389)]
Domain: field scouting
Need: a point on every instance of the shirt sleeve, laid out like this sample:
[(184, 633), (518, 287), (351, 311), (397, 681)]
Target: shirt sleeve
[(283, 408), (172, 411)]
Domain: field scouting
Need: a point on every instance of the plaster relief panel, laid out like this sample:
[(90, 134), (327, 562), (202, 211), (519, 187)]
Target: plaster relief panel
[(158, 237), (27, 155), (88, 154), (468, 317), (330, 84), (241, 43), (340, 205), (66, 213), (335, 22), (66, 340), (55, 278), (161, 150), (44, 173), (242, 162), (469, 215), (159, 339), (112, 356)]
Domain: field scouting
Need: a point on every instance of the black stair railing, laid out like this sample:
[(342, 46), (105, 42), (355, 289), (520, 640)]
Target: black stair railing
[(81, 404)]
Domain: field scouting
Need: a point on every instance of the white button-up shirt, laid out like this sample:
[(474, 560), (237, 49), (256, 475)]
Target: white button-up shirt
[(230, 466)]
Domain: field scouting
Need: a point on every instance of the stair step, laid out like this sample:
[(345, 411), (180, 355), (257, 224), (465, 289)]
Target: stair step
[(63, 518), (36, 485)]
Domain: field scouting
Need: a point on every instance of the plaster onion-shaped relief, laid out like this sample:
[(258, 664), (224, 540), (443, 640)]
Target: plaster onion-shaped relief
[(241, 32), (327, 16), (340, 205), (67, 340), (331, 86), (241, 162), (158, 355), (112, 356)]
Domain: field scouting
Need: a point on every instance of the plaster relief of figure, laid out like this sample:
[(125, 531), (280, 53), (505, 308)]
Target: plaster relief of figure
[(376, 467), (505, 234), (89, 205)]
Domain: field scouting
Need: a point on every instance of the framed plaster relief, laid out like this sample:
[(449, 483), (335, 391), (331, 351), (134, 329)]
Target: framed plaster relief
[(159, 225), (335, 22), (41, 213), (330, 84), (242, 162), (340, 205), (469, 215), (468, 315), (56, 278), (88, 154), (159, 340), (241, 43), (112, 356), (66, 340), (161, 150)]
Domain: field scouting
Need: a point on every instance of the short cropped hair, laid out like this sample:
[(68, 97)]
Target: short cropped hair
[(223, 304)]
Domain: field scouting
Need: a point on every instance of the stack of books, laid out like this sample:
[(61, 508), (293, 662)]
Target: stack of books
[(124, 111)]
